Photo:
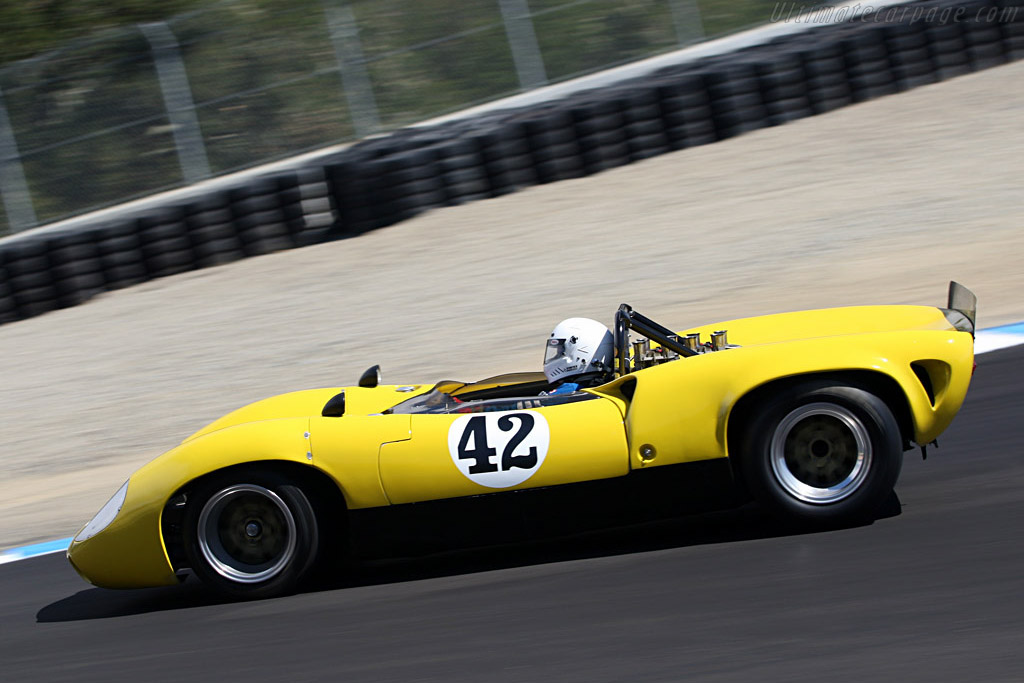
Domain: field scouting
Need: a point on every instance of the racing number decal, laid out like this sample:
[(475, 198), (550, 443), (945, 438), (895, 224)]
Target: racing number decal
[(475, 430), (508, 457), (499, 450)]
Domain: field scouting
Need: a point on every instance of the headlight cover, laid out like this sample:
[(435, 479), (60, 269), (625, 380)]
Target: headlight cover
[(105, 516)]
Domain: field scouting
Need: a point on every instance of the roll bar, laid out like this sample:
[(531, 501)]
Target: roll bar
[(627, 319)]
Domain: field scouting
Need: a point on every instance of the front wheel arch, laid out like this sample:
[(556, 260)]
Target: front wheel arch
[(323, 493)]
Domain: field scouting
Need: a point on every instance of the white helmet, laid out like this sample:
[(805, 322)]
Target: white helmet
[(578, 346)]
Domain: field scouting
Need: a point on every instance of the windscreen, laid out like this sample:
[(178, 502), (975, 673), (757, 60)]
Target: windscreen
[(437, 400)]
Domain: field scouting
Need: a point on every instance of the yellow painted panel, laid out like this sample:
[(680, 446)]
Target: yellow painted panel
[(577, 441), (827, 322), (681, 408), (346, 448), (129, 553)]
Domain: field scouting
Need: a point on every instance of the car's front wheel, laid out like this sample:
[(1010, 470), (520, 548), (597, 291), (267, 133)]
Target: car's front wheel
[(250, 535), (823, 452)]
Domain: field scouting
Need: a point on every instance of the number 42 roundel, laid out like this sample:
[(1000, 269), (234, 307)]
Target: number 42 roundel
[(499, 450)]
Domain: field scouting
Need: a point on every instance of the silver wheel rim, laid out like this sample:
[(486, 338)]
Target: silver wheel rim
[(821, 453), (246, 533)]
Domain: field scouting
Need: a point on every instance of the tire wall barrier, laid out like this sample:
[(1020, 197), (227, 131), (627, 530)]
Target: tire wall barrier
[(381, 181)]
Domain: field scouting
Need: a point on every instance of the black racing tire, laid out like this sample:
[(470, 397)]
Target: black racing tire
[(822, 453), (250, 534)]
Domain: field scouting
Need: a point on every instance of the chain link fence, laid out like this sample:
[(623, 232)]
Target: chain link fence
[(150, 107)]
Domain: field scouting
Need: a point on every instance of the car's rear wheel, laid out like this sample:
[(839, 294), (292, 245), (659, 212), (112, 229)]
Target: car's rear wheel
[(823, 452), (250, 535)]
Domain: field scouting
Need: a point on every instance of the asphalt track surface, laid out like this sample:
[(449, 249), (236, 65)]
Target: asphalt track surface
[(933, 593)]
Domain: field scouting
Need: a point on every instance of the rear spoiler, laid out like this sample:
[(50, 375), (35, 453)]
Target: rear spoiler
[(961, 308)]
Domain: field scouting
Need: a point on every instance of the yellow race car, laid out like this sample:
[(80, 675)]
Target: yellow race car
[(808, 412)]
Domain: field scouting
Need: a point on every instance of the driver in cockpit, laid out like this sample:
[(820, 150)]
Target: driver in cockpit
[(579, 354)]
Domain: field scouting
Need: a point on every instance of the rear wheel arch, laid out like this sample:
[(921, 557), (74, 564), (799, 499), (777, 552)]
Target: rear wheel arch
[(745, 410)]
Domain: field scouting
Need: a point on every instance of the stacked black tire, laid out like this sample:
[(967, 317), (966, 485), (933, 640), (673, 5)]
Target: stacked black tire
[(49, 270), (382, 181)]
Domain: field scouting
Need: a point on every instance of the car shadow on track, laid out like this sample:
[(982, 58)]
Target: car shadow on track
[(736, 525), (102, 603), (729, 526)]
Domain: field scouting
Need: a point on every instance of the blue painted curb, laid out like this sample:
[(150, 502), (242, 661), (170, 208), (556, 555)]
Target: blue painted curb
[(995, 338), (35, 550), (1012, 328), (989, 339)]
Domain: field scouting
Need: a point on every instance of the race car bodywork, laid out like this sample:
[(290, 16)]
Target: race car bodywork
[(811, 410)]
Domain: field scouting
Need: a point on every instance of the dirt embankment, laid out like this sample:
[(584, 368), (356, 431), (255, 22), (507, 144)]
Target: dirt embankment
[(882, 202)]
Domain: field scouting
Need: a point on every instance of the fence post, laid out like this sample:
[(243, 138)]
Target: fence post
[(688, 21), (181, 110), (355, 79), (14, 192), (523, 41)]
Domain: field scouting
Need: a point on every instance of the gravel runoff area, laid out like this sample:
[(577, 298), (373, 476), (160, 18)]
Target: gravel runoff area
[(882, 202)]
